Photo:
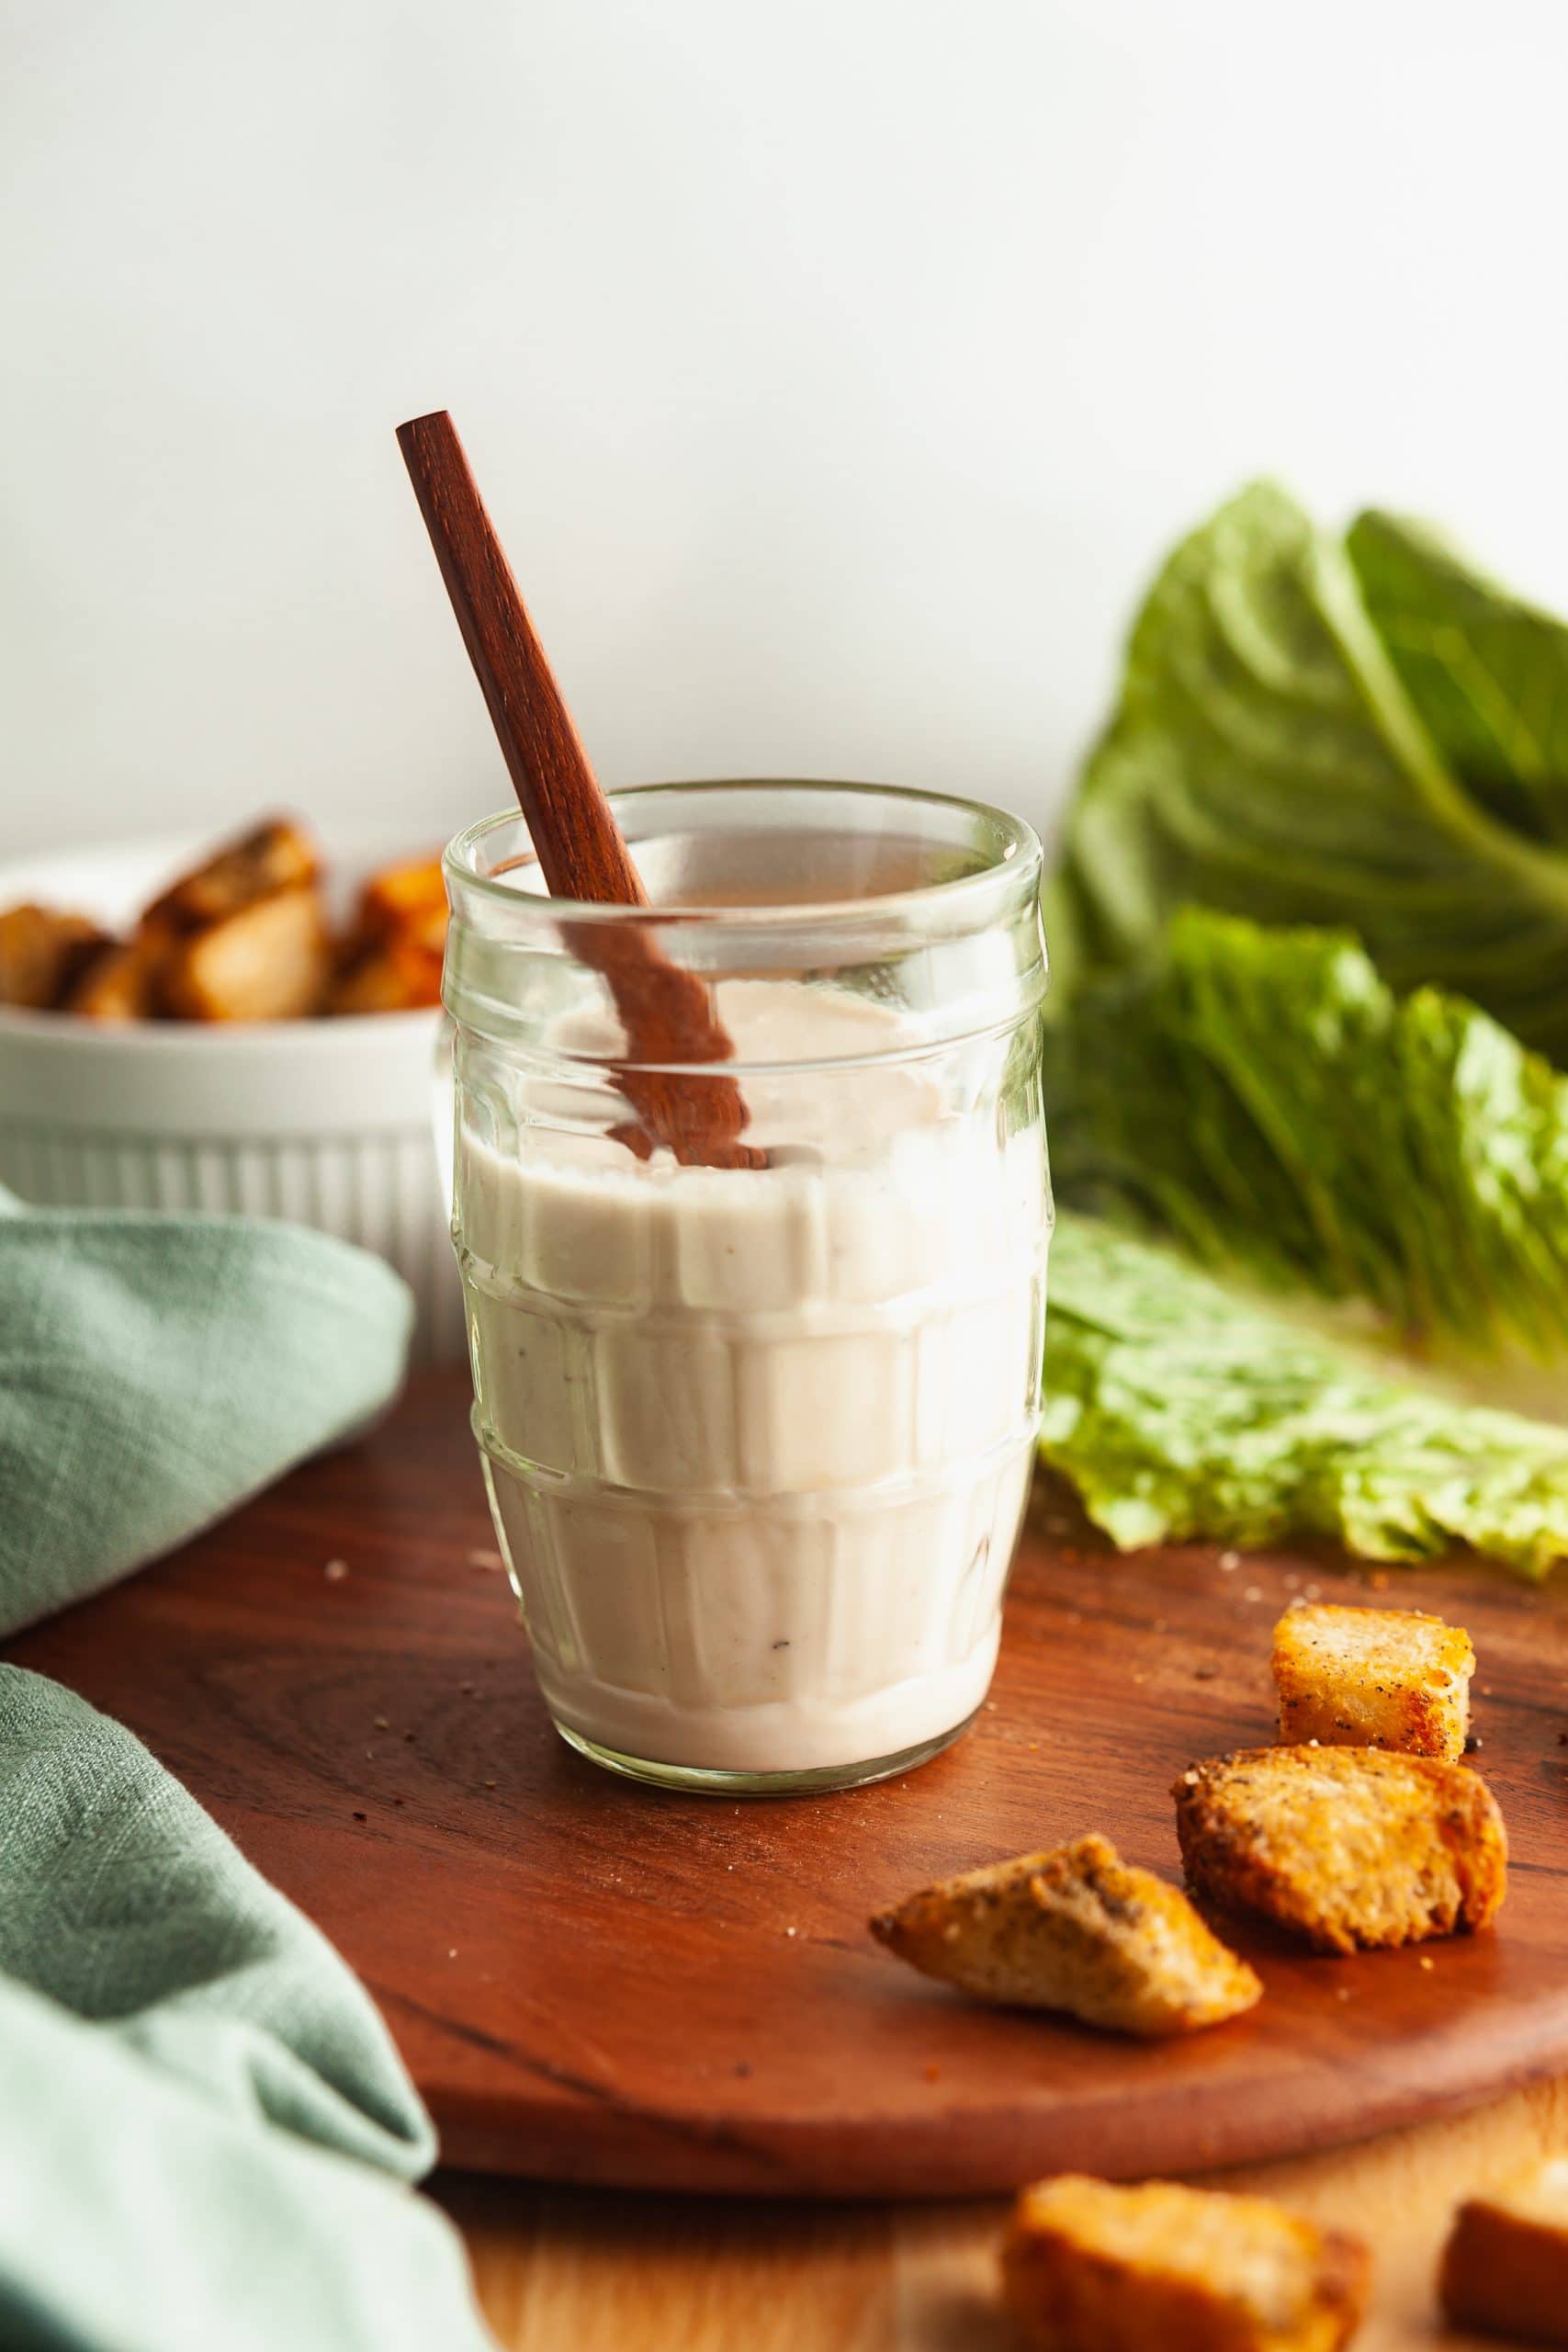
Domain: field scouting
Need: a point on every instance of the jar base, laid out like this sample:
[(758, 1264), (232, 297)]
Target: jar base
[(692, 1780)]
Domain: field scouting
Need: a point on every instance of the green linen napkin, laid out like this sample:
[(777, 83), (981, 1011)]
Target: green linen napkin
[(199, 2107), (206, 2133), (154, 1371)]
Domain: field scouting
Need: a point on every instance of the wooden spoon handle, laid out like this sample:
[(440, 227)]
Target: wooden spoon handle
[(667, 1011)]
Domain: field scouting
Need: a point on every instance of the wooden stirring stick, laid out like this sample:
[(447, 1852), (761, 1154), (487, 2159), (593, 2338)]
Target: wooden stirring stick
[(665, 1009)]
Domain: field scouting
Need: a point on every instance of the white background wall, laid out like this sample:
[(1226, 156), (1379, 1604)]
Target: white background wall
[(835, 368)]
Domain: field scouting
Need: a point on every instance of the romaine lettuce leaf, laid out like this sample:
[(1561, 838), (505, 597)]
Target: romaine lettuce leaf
[(1273, 756), (1488, 674), (1263, 1096), (1180, 1409)]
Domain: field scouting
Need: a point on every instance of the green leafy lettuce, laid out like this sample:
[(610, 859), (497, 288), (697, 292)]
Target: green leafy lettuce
[(1362, 733), (1179, 1408), (1486, 673), (1264, 1097)]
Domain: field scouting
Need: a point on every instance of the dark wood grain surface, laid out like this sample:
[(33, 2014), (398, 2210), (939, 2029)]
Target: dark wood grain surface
[(594, 1981)]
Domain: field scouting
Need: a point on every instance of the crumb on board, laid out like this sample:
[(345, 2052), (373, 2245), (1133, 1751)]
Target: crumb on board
[(335, 1571)]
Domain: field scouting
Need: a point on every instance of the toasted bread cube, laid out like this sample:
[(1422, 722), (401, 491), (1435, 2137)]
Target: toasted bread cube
[(1077, 1930), (120, 983), (391, 960), (1348, 1847), (269, 962), (42, 954), (1090, 2266), (1505, 2268), (277, 856), (1374, 1677), (400, 977), (407, 900)]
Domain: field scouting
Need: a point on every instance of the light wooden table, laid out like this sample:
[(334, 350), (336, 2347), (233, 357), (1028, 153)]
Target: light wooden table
[(583, 2271)]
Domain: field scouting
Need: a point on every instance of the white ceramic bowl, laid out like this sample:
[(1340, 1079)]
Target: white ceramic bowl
[(327, 1123)]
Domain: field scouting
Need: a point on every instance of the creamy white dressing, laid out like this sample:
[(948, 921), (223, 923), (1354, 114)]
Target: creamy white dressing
[(759, 1440)]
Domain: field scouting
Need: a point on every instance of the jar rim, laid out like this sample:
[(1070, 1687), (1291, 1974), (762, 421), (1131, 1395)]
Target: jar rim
[(1020, 862)]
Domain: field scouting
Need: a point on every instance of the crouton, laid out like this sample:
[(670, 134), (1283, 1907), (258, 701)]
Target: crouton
[(42, 954), (1374, 1677), (391, 960), (406, 901), (1348, 1847), (1090, 2266), (269, 962), (120, 983), (1505, 2268), (272, 856), (400, 976), (1077, 1930)]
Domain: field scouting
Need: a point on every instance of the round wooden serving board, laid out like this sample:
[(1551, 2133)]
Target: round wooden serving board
[(593, 1982)]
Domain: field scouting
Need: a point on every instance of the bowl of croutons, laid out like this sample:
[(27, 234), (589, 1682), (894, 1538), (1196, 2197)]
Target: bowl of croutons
[(253, 1028)]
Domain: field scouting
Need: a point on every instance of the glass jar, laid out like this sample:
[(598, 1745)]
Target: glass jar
[(758, 1439)]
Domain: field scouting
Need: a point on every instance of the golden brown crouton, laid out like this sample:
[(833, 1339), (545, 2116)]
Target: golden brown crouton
[(269, 962), (406, 901), (400, 976), (1077, 1929), (120, 983), (391, 960), (1089, 2266), (1374, 1677), (1347, 1846), (272, 856), (42, 953), (1505, 2268)]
